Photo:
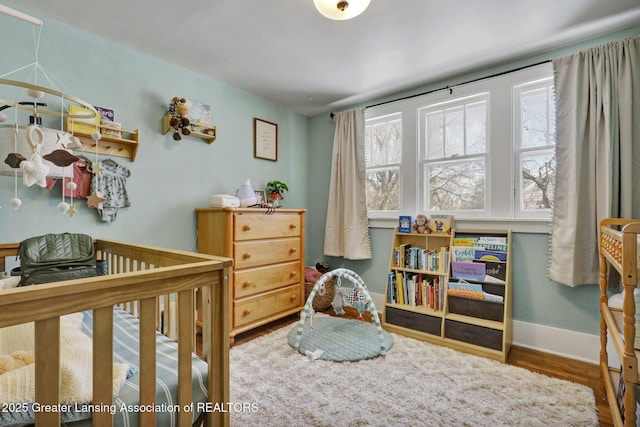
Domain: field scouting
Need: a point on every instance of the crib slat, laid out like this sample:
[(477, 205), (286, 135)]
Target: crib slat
[(147, 359), (47, 336), (216, 299), (102, 363), (185, 337)]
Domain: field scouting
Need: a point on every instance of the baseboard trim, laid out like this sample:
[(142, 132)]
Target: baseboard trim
[(547, 339), (561, 342)]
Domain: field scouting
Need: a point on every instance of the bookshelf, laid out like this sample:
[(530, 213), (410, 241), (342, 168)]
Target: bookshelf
[(476, 316)]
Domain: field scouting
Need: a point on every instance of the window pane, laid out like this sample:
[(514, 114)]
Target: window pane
[(435, 135), (457, 186), (534, 118), (454, 132), (383, 190), (476, 128), (538, 180), (394, 145), (378, 144)]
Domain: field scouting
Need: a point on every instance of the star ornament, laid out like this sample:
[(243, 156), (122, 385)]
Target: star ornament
[(97, 168), (72, 210), (95, 200)]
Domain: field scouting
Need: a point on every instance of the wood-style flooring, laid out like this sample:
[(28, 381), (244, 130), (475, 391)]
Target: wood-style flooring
[(548, 364)]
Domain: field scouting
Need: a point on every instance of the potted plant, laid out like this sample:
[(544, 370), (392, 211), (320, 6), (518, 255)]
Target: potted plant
[(275, 191)]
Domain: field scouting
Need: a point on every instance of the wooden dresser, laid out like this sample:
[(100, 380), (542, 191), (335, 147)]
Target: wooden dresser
[(268, 260)]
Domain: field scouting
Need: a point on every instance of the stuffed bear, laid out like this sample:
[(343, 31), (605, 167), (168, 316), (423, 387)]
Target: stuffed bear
[(15, 360), (420, 225)]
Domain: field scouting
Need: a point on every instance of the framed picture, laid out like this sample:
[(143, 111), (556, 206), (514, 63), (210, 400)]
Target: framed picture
[(265, 140), (261, 196)]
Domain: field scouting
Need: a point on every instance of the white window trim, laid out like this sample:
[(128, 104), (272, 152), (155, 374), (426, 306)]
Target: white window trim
[(410, 186)]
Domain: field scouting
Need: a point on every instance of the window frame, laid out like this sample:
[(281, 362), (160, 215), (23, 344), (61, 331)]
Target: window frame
[(543, 83), (500, 210)]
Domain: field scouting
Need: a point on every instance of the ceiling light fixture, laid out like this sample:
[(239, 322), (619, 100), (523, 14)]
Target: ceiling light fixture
[(341, 9)]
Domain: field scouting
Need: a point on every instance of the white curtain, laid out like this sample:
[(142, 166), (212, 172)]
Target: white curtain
[(597, 149), (347, 228)]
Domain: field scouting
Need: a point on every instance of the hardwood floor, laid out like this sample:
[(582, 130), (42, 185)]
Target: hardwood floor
[(547, 364)]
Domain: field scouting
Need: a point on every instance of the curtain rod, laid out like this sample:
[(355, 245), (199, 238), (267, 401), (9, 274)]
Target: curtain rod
[(450, 88)]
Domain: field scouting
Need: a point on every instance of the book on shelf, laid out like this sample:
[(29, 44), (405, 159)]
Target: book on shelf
[(415, 290), (468, 270), (199, 116), (472, 290), (106, 114), (404, 224), (484, 255), (88, 125), (440, 224), (463, 253), (496, 272), (420, 258)]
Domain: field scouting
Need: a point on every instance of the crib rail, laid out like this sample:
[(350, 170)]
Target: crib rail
[(146, 281)]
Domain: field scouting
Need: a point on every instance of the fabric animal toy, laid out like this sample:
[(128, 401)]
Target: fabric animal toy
[(15, 360), (340, 300), (361, 306), (420, 225)]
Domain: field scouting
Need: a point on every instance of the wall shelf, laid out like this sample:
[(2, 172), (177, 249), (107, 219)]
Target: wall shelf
[(111, 145), (209, 135)]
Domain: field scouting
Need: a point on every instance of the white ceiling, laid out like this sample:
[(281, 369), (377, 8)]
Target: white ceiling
[(286, 52)]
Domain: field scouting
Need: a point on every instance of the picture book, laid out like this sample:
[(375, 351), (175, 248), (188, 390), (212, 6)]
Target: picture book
[(81, 125), (485, 255), (496, 271), (404, 225), (440, 224), (106, 114), (463, 253), (468, 270), (199, 116)]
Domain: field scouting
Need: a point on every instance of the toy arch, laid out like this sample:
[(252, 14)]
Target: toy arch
[(359, 283)]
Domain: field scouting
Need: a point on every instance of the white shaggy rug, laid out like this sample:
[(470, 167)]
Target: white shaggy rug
[(416, 384)]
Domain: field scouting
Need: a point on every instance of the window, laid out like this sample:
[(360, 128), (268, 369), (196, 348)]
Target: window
[(455, 150), (383, 153), (534, 137), (481, 151)]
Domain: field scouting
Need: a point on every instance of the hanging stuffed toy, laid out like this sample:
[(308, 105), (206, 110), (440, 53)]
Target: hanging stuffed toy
[(179, 121), (34, 171), (340, 300)]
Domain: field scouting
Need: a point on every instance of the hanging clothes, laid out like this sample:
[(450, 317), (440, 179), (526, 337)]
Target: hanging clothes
[(82, 177), (111, 182)]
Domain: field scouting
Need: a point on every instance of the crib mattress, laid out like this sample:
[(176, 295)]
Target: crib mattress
[(126, 404)]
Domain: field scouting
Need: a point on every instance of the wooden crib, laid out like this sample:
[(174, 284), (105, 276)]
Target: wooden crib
[(147, 281)]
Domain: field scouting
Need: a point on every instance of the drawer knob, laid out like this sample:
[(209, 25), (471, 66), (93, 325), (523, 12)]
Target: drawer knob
[(292, 226), (293, 250), (246, 255), (293, 273), (294, 297), (246, 227), (247, 284), (246, 312)]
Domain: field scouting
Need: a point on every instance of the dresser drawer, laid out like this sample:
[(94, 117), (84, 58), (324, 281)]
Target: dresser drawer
[(265, 305), (251, 281), (263, 252), (261, 226)]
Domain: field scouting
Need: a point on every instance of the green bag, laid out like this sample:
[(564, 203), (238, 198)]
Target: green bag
[(56, 257)]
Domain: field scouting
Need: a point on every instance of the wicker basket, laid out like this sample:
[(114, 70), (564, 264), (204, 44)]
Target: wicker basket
[(320, 302)]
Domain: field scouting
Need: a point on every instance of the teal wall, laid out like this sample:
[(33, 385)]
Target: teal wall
[(170, 179)]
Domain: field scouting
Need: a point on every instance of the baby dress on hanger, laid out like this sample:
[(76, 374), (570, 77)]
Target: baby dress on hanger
[(111, 184)]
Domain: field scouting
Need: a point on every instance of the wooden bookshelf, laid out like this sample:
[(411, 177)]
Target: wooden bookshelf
[(477, 326)]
